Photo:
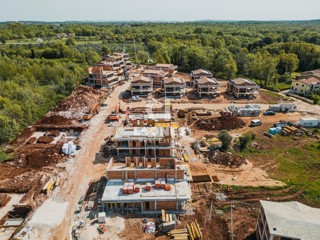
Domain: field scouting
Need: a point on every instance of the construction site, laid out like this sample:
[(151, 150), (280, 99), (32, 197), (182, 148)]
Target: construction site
[(103, 166)]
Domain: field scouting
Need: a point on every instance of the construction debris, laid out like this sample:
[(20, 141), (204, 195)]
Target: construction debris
[(220, 123), (194, 231), (78, 103), (224, 158)]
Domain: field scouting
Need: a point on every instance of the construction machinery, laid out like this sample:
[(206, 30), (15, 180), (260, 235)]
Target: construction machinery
[(115, 115), (94, 109)]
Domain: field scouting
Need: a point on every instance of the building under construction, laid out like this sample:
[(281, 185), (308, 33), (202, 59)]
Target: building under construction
[(145, 141), (146, 185)]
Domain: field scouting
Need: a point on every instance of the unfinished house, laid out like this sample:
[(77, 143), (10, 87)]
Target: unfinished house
[(144, 141), (98, 77), (174, 87), (287, 220), (149, 119), (207, 87), (242, 88), (141, 85), (156, 75), (168, 68), (199, 73), (145, 185)]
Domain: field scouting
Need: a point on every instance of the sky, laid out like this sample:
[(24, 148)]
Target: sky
[(157, 10)]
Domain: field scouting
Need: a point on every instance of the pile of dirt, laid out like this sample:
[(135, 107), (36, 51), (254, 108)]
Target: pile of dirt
[(220, 123), (56, 120), (21, 138), (79, 102), (19, 184), (39, 155), (45, 140), (45, 156), (224, 158), (10, 171)]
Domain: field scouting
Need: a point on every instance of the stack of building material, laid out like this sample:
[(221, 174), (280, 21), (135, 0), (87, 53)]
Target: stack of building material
[(179, 234), (157, 184), (136, 188), (125, 189), (194, 231), (130, 189), (148, 187)]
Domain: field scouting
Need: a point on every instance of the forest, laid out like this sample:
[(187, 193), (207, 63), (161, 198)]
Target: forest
[(41, 63)]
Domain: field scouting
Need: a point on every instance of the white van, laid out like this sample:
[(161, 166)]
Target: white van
[(255, 122)]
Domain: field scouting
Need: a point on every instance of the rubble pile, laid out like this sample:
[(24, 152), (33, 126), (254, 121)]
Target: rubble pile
[(77, 103), (220, 123), (224, 158)]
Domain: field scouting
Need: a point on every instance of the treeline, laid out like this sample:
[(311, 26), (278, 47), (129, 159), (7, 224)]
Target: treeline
[(33, 80), (35, 75)]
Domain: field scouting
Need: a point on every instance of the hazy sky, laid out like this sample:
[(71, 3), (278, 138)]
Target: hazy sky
[(180, 10)]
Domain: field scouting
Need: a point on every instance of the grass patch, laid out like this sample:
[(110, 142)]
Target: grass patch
[(298, 162), (5, 156)]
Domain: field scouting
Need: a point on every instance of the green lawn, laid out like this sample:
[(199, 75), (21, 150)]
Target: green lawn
[(4, 156), (296, 164)]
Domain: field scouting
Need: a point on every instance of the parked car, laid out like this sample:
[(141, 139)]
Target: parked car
[(255, 122), (269, 113)]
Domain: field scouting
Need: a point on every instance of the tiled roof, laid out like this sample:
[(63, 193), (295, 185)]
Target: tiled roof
[(201, 71), (174, 80), (310, 81), (208, 81)]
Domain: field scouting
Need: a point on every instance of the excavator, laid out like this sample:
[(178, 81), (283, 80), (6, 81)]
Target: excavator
[(94, 109), (115, 115)]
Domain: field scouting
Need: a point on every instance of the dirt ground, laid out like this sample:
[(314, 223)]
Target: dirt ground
[(84, 169)]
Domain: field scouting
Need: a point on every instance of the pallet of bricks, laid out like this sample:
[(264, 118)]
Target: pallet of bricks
[(191, 232)]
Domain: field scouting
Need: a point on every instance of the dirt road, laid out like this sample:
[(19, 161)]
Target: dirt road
[(82, 171)]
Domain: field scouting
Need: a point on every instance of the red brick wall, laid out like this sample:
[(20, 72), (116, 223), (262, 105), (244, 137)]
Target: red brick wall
[(166, 205)]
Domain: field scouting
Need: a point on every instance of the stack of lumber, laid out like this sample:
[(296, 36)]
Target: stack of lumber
[(194, 231), (179, 234)]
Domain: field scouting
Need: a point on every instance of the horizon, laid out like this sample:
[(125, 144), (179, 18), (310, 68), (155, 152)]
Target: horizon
[(155, 11), (160, 21)]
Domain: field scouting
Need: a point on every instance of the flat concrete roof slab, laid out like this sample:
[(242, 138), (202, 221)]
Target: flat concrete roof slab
[(113, 193)]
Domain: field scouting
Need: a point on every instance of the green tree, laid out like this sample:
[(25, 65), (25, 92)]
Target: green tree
[(244, 141), (70, 42), (225, 138)]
